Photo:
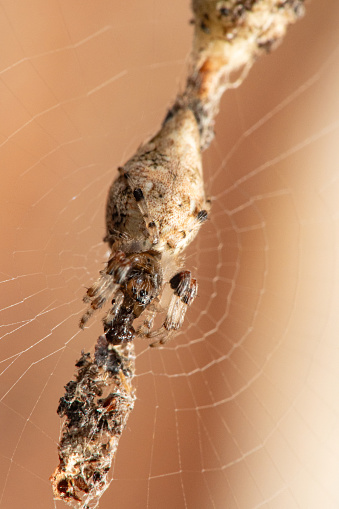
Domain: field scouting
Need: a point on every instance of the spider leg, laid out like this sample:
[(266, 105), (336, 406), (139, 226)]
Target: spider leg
[(102, 290), (107, 285), (139, 197), (150, 313), (112, 313), (185, 290)]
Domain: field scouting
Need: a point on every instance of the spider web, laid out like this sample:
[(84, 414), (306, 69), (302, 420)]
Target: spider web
[(240, 410)]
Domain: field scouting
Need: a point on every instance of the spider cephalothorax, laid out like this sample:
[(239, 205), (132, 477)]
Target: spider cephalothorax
[(131, 281)]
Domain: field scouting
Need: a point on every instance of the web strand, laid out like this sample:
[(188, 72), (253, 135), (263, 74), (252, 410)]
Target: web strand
[(240, 408)]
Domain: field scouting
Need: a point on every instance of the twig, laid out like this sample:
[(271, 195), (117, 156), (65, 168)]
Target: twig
[(96, 406), (155, 208)]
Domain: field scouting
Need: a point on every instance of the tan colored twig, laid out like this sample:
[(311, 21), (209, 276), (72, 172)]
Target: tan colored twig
[(155, 209)]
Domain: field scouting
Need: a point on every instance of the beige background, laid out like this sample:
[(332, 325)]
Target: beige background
[(241, 409)]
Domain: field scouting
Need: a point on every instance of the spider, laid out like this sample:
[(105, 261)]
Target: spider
[(154, 210)]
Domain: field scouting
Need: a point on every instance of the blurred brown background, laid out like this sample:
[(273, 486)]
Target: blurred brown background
[(241, 409)]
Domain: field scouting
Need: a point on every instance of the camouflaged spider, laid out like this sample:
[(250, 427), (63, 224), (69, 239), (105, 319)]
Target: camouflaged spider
[(154, 210)]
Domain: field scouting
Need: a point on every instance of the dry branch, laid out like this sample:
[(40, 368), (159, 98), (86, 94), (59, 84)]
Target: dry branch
[(154, 210)]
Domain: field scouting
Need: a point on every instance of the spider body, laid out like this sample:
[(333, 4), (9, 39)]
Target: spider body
[(158, 199), (154, 210)]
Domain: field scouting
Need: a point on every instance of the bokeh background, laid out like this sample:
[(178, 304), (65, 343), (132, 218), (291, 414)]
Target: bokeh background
[(240, 410)]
